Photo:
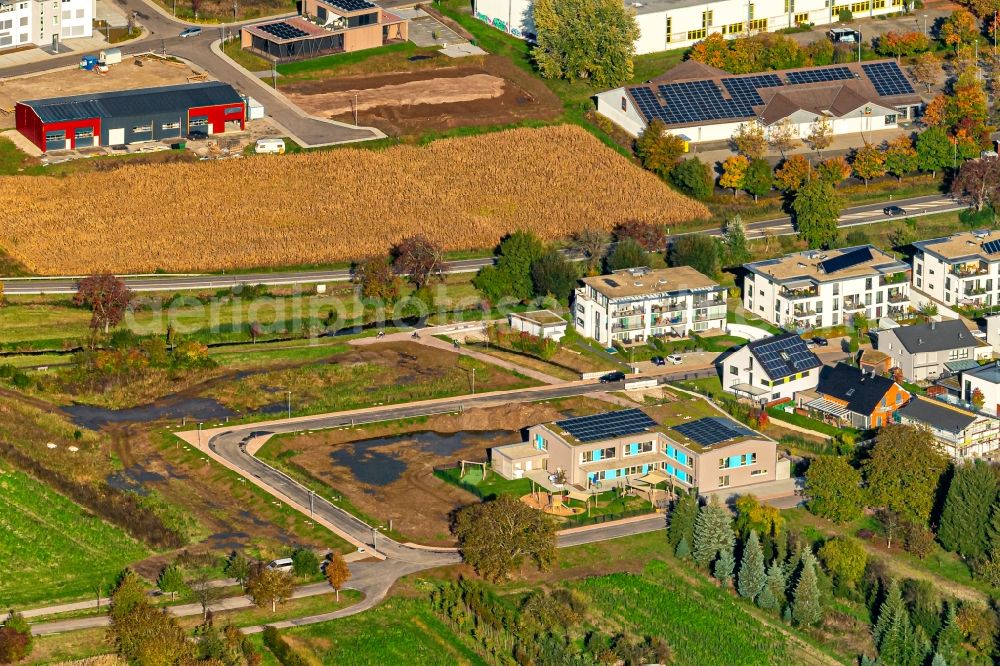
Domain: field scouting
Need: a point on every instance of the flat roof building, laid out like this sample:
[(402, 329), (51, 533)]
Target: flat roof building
[(703, 103), (634, 304), (130, 116), (817, 289), (960, 270)]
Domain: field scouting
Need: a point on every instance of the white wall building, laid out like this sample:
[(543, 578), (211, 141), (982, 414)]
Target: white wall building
[(539, 323), (772, 369), (35, 22), (703, 103), (986, 378), (816, 289), (959, 432), (674, 24), (632, 305), (960, 270)]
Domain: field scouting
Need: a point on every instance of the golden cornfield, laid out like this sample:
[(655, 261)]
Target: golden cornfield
[(328, 206)]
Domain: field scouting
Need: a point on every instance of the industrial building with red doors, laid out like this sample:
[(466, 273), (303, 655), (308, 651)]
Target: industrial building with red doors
[(131, 116)]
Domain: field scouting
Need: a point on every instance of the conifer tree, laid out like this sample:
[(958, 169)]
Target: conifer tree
[(993, 529), (807, 607), (683, 550), (897, 642), (713, 532), (965, 520), (950, 637), (938, 660), (773, 594), (682, 520), (723, 570), (752, 575)]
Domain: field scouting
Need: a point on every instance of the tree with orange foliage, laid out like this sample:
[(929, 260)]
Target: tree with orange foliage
[(821, 134), (935, 112), (793, 172), (902, 43), (734, 171), (834, 170), (713, 51), (926, 69), (960, 28), (868, 163), (900, 157)]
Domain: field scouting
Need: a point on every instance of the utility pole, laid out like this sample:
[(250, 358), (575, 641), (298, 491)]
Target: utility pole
[(199, 435), (289, 403), (473, 381)]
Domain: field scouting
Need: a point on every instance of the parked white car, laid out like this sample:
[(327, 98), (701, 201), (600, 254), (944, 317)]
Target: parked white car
[(674, 359)]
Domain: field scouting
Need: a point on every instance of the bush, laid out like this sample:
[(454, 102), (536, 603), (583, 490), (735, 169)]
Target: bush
[(845, 15), (693, 177), (16, 641), (305, 563), (282, 651), (543, 348)]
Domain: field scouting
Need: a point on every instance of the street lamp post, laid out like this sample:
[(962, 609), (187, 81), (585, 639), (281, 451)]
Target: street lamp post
[(289, 403), (925, 25), (199, 435)]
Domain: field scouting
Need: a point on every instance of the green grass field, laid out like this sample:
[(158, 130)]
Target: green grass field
[(50, 548), (703, 625), (403, 631)]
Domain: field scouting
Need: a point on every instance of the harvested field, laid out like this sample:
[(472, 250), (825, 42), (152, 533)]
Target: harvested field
[(125, 76), (481, 91), (329, 206)]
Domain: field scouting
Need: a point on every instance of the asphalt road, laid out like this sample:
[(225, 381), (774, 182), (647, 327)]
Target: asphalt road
[(163, 36), (854, 216)]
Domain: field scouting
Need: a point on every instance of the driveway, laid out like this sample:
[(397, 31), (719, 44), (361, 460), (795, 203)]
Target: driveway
[(202, 50)]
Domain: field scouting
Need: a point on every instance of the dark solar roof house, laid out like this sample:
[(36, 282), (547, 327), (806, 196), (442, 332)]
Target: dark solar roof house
[(706, 104), (771, 369), (326, 26), (130, 116), (629, 448)]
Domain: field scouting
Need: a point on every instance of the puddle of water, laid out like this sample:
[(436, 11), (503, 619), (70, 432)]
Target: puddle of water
[(379, 468), (95, 418), (132, 480)]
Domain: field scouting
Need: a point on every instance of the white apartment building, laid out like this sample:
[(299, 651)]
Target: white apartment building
[(962, 269), (36, 22), (816, 289), (772, 369), (674, 24), (634, 304)]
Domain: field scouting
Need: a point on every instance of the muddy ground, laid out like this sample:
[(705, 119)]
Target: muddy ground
[(395, 479), (457, 94)]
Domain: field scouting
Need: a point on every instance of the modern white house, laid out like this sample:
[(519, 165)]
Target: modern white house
[(962, 269), (770, 370), (37, 22), (635, 304), (539, 323), (959, 432), (985, 379), (815, 289), (673, 24), (702, 103)]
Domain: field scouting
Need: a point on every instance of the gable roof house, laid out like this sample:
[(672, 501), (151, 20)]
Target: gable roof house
[(959, 432), (772, 369), (703, 103), (924, 351), (848, 394)]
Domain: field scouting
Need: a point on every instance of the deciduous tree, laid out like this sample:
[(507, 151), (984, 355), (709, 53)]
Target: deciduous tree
[(510, 277), (903, 471), (171, 580), (270, 587), (868, 163), (305, 562), (496, 537), (959, 28), (834, 170), (734, 171), (783, 136), (140, 632), (652, 237), (793, 173), (16, 641), (845, 558), (107, 297), (817, 210), (834, 489), (238, 567), (591, 243), (934, 150), (759, 178), (979, 181), (900, 157), (377, 279), (693, 177), (750, 140), (553, 274), (926, 69), (659, 150), (820, 134), (735, 241), (418, 257), (626, 254), (337, 573), (965, 518), (585, 39), (697, 251)]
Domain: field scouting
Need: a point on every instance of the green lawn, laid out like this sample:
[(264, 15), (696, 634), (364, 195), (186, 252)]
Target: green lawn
[(11, 157), (779, 414), (493, 486), (50, 548), (384, 58), (401, 631), (246, 59)]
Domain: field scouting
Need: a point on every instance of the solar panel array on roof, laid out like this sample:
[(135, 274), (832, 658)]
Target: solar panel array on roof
[(283, 30), (712, 430), (991, 247), (846, 260), (607, 425), (351, 5), (744, 90), (785, 355), (888, 78), (817, 75)]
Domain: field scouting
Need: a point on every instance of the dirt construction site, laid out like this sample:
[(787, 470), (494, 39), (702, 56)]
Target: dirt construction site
[(154, 71), (474, 91)]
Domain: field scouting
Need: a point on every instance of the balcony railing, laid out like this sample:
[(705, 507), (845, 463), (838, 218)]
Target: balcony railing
[(895, 278), (708, 302), (669, 321), (898, 297), (631, 312), (617, 328), (979, 291), (669, 307), (794, 294), (969, 270), (851, 306)]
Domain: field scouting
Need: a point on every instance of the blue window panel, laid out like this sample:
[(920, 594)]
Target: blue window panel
[(597, 454), (670, 470), (682, 457), (538, 441), (592, 477), (735, 461), (645, 468), (682, 475), (670, 451)]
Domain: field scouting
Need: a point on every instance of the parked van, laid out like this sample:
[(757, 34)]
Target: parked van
[(284, 564), (270, 146)]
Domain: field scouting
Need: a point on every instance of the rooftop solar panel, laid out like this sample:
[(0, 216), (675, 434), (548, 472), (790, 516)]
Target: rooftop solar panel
[(818, 75), (847, 259), (887, 78), (784, 355), (712, 430), (992, 247), (607, 425), (351, 5), (283, 30)]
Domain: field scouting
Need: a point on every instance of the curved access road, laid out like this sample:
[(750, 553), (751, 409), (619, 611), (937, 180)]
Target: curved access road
[(851, 217)]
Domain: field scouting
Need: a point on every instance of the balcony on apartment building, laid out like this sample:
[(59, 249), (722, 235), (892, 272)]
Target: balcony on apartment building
[(715, 298), (792, 293), (669, 306), (898, 296), (670, 319), (631, 311), (629, 324), (894, 278), (854, 304), (970, 269)]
